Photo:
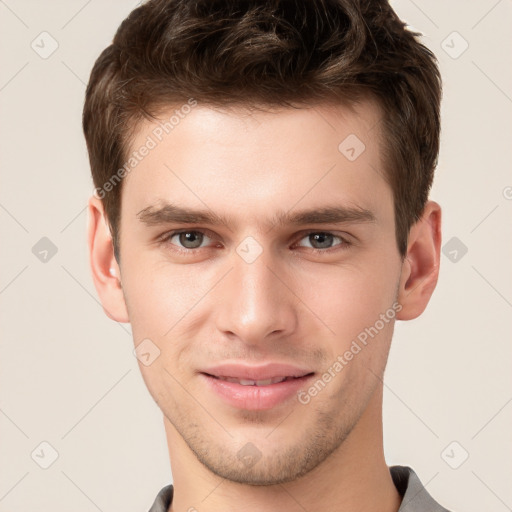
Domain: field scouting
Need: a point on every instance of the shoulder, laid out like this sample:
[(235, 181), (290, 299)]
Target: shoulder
[(163, 500), (415, 497)]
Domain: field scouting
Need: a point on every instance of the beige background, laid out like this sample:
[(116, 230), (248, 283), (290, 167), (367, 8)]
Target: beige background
[(67, 373)]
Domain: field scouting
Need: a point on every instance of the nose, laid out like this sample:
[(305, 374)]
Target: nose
[(256, 303)]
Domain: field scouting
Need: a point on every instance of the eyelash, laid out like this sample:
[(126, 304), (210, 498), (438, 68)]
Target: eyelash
[(344, 245)]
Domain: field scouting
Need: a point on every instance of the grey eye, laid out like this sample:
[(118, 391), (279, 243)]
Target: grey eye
[(321, 240), (190, 239)]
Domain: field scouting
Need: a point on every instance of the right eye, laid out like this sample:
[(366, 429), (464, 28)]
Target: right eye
[(186, 239)]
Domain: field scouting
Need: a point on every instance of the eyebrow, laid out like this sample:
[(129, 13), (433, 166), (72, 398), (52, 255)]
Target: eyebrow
[(170, 213)]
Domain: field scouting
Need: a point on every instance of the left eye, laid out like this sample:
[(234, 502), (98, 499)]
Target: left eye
[(322, 240)]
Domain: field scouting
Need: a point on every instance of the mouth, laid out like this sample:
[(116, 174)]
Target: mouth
[(255, 388), (263, 382)]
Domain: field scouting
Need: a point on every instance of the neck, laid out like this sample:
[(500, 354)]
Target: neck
[(354, 477)]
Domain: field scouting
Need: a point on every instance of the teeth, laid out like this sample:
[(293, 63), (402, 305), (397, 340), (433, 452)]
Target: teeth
[(246, 382)]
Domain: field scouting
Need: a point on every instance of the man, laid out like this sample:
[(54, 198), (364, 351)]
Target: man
[(261, 218)]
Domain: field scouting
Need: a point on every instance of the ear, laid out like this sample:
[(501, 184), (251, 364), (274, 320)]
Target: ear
[(106, 273), (420, 269)]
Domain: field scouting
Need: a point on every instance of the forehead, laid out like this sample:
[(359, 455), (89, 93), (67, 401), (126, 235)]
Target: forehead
[(253, 161)]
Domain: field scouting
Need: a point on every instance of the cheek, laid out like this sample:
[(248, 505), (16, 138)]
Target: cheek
[(159, 297), (357, 305), (159, 304), (349, 298)]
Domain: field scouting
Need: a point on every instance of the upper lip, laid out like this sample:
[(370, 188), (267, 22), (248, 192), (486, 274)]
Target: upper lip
[(261, 372)]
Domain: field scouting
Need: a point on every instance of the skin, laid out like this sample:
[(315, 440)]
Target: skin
[(291, 305)]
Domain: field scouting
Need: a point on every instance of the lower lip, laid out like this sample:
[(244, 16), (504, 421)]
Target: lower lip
[(256, 398)]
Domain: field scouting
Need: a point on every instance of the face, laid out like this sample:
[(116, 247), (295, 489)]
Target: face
[(256, 248)]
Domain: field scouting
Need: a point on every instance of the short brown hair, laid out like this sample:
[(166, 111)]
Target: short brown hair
[(269, 53)]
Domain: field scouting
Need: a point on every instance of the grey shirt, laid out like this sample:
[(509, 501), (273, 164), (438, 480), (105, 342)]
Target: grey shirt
[(415, 497)]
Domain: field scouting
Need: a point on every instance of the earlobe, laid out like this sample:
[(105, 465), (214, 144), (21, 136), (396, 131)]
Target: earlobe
[(104, 267), (420, 269)]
